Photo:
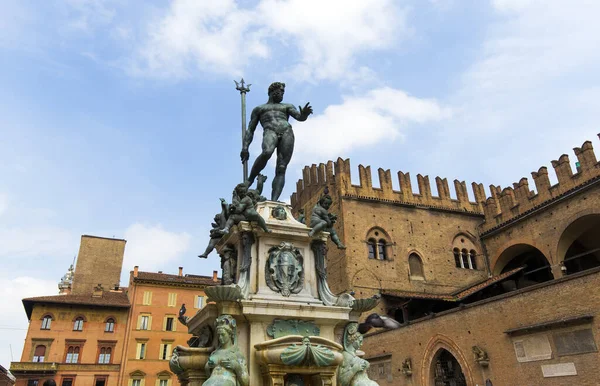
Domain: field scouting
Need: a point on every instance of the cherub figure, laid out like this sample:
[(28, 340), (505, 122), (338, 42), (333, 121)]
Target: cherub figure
[(215, 233), (243, 208), (322, 220)]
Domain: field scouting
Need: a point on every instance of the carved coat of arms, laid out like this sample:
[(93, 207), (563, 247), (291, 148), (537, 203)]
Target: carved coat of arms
[(284, 271)]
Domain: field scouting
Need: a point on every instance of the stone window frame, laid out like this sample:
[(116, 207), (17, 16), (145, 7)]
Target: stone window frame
[(66, 377), (77, 346), (199, 301), (141, 347), (107, 324), (413, 276), (78, 322), (148, 326), (106, 345), (165, 347), (164, 376), (375, 238), (101, 378), (465, 256), (40, 342), (36, 354), (46, 319), (173, 322), (137, 378)]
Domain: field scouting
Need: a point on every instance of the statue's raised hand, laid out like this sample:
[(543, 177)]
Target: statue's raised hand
[(244, 155), (306, 110)]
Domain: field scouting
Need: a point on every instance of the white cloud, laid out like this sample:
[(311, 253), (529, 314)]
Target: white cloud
[(222, 37), (528, 93), (13, 320), (151, 247), (362, 121)]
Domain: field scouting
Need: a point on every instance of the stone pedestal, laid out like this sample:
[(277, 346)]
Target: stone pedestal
[(278, 301)]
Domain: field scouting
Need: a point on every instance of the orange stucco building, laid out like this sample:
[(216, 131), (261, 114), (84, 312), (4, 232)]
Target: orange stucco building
[(100, 334), (153, 329)]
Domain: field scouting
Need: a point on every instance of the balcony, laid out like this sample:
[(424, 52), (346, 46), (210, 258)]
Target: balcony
[(53, 367)]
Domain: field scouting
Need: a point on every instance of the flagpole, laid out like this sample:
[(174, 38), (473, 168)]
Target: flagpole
[(243, 89)]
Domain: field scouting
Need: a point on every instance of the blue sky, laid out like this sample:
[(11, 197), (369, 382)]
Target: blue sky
[(123, 119)]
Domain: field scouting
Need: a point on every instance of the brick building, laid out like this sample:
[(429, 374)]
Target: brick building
[(501, 289), (93, 331)]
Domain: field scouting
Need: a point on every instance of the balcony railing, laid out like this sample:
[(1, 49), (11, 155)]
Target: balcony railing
[(53, 367)]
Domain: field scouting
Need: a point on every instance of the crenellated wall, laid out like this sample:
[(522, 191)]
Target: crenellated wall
[(338, 177), (506, 205)]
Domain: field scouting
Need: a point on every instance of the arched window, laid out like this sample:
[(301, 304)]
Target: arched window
[(378, 244), (46, 322), (372, 249), (457, 259), (78, 324), (464, 251), (73, 354), (39, 354), (464, 255), (382, 250), (104, 357), (110, 325), (472, 258), (415, 266)]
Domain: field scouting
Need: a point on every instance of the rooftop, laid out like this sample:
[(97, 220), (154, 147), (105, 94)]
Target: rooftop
[(165, 278), (108, 299)]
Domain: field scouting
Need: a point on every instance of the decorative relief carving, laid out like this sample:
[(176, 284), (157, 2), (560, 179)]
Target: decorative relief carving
[(281, 327), (284, 271)]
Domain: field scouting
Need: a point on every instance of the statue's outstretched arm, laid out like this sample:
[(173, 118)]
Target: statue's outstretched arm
[(301, 115)]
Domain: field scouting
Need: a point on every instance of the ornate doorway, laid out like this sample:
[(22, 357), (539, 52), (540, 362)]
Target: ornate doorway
[(447, 371)]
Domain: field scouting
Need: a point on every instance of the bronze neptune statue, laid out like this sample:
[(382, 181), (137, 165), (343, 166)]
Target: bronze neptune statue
[(277, 134)]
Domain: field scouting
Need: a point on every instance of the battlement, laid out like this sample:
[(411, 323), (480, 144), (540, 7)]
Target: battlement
[(510, 203), (338, 177)]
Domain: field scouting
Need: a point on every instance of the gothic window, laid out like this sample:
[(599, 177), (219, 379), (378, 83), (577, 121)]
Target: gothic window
[(78, 324), (457, 258), (472, 258), (105, 354), (110, 325), (372, 249), (73, 354), (382, 250), (465, 252), (378, 244), (466, 262), (39, 354), (415, 264), (46, 322)]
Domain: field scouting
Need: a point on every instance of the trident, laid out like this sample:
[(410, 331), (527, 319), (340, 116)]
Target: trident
[(243, 90)]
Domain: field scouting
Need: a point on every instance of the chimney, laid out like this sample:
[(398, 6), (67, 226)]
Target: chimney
[(98, 291), (215, 278), (180, 271), (135, 271)]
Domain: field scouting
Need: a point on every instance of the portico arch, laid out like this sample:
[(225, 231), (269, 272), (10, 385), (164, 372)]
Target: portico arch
[(578, 247), (441, 348), (537, 266)]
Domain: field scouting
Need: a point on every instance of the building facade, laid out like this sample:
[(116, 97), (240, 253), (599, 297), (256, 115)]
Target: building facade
[(499, 289), (100, 334), (153, 329)]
